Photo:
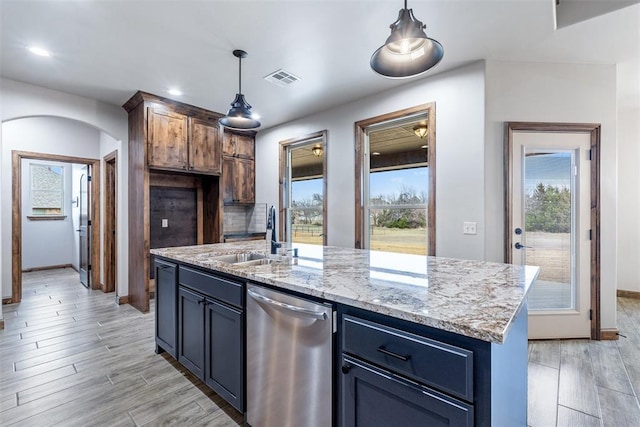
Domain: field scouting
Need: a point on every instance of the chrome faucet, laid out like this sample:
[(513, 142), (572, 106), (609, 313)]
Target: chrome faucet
[(271, 225)]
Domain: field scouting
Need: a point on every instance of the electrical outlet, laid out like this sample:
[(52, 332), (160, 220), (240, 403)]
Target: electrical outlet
[(165, 223), (469, 228)]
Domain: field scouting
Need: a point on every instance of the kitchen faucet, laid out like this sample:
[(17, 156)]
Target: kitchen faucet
[(271, 225)]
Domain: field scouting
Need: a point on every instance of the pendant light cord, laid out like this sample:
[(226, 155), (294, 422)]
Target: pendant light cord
[(240, 74), (405, 4)]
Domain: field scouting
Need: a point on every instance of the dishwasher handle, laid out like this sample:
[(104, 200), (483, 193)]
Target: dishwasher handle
[(292, 308)]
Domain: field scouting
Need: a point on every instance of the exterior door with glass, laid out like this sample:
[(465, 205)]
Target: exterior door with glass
[(551, 219)]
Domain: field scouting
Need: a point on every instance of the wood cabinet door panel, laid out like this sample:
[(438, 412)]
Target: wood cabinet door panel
[(244, 146), (204, 147), (229, 180), (167, 139), (229, 144), (245, 180)]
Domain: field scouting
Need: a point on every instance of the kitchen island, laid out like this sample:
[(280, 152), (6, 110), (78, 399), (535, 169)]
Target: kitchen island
[(448, 336)]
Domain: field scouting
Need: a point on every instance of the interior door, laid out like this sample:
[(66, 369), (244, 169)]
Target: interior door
[(85, 228), (551, 201)]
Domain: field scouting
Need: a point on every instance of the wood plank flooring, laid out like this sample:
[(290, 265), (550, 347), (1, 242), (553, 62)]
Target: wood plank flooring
[(70, 356), (588, 383)]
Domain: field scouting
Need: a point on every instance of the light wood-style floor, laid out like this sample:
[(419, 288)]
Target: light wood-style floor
[(72, 357)]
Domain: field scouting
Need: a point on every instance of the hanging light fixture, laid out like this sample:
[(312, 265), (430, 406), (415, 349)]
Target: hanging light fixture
[(408, 51), (420, 131), (317, 150), (239, 115)]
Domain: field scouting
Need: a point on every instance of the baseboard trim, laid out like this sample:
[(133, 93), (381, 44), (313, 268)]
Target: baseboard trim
[(609, 334), (628, 294), (122, 300), (7, 301), (47, 267)]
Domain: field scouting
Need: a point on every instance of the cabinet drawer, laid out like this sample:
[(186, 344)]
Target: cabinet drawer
[(212, 286), (431, 362), (374, 397)]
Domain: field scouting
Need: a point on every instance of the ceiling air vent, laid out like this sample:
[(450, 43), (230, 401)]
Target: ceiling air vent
[(281, 78)]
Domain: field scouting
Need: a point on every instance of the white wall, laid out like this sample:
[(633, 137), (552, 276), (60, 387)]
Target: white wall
[(629, 200), (46, 243), (20, 100), (459, 99), (570, 93)]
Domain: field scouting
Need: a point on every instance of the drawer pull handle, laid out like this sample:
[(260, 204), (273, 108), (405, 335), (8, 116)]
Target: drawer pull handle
[(383, 350)]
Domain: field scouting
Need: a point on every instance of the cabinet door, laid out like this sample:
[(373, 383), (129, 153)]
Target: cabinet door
[(191, 331), (238, 145), (167, 140), (245, 180), (204, 147), (372, 397), (244, 146), (166, 289), (224, 352), (229, 174)]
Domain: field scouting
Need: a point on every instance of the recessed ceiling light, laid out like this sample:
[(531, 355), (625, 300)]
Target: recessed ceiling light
[(175, 92), (375, 153), (36, 50), (423, 146)]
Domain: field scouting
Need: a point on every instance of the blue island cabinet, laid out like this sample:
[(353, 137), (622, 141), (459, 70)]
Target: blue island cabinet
[(394, 372)]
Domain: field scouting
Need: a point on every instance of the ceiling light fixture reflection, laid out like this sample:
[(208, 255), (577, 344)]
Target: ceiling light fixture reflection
[(317, 150), (239, 115), (37, 50), (408, 51)]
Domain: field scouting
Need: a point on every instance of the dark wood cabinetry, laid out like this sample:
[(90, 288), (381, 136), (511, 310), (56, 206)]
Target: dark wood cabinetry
[(166, 288), (176, 146), (183, 143), (238, 181), (238, 166), (211, 332)]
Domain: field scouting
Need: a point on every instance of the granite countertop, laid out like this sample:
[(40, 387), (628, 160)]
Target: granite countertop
[(472, 298)]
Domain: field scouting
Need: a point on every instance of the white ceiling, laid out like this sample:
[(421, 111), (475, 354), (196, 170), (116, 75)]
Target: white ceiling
[(109, 49)]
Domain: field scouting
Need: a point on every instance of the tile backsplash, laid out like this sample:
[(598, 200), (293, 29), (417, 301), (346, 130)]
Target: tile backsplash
[(245, 219)]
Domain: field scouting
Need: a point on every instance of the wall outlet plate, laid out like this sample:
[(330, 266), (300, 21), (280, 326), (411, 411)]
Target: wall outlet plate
[(469, 228), (165, 223)]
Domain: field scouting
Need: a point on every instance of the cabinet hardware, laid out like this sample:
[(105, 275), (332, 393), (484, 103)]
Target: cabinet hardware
[(383, 350), (346, 369)]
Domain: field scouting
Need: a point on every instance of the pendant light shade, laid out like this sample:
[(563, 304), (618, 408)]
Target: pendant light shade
[(239, 115), (408, 51)]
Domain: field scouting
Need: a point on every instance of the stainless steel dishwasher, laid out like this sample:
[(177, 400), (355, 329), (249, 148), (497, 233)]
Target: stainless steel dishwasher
[(289, 360)]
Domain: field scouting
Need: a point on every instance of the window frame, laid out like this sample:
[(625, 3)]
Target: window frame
[(54, 216), (362, 167), (285, 188)]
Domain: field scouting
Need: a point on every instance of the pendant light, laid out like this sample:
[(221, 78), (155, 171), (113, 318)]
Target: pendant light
[(408, 51), (420, 131), (239, 115)]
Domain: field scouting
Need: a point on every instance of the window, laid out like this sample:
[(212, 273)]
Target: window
[(396, 180), (47, 190), (303, 172)]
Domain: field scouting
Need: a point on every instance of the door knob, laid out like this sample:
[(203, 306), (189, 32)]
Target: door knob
[(519, 246)]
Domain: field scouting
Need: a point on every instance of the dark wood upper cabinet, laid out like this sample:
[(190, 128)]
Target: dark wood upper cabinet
[(238, 169), (204, 147), (179, 142), (238, 181), (238, 145)]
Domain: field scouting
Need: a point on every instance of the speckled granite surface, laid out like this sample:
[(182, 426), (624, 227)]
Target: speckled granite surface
[(472, 298)]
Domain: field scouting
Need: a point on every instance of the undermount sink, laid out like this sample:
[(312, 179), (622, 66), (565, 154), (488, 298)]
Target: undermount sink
[(241, 258), (262, 261)]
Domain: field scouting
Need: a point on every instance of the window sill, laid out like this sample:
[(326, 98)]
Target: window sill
[(46, 217)]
